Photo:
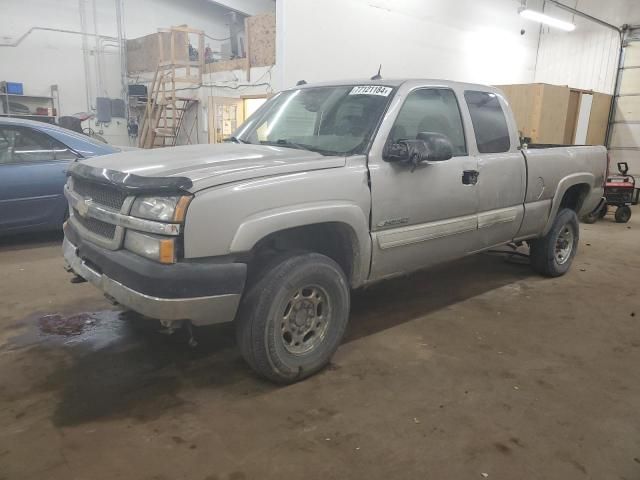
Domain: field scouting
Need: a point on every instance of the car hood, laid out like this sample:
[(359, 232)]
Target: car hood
[(211, 165)]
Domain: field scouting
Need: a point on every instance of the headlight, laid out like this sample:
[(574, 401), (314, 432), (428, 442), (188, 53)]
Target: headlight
[(163, 209), (160, 249)]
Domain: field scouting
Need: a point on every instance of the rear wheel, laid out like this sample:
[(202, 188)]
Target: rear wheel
[(623, 214), (293, 317), (553, 254)]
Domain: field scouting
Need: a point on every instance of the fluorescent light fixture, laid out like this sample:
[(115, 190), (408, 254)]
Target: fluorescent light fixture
[(547, 20)]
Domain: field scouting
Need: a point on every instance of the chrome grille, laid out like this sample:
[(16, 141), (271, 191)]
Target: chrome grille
[(96, 226), (105, 195)]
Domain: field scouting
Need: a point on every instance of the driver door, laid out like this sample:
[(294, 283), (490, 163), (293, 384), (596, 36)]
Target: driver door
[(427, 215)]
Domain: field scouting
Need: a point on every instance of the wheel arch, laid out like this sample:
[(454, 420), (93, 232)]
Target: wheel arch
[(340, 231), (570, 193)]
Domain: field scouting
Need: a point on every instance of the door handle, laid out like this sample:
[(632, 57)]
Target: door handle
[(470, 177)]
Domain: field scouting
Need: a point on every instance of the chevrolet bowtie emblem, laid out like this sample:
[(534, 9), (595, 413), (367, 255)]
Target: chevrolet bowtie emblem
[(83, 207)]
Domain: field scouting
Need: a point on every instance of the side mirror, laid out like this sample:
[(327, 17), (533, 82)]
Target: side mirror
[(428, 147)]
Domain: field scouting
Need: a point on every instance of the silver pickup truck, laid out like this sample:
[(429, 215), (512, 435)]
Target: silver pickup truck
[(326, 188)]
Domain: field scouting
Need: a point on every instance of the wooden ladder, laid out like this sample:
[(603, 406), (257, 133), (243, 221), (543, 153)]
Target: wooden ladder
[(166, 107)]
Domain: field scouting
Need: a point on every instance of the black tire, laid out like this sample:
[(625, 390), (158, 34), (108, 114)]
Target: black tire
[(623, 214), (545, 259), (267, 328)]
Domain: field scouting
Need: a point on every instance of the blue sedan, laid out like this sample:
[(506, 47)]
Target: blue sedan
[(33, 160)]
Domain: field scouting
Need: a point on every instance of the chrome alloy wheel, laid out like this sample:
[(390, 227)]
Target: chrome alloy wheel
[(564, 245)]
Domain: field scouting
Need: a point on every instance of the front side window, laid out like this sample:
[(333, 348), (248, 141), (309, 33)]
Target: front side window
[(23, 145), (336, 120), (489, 122), (431, 110)]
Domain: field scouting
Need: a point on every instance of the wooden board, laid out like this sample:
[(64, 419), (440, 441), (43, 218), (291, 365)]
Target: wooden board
[(520, 100), (572, 117), (552, 116), (261, 39), (598, 119), (227, 65), (540, 110), (143, 54)]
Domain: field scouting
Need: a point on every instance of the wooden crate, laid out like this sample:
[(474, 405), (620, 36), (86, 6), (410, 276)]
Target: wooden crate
[(549, 113), (540, 110)]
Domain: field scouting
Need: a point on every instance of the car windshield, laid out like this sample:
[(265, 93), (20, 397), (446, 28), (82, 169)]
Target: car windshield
[(336, 120)]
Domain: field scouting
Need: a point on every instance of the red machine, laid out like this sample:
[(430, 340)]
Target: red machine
[(619, 191)]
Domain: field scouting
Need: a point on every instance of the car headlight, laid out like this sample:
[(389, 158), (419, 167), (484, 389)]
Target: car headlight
[(160, 249), (163, 209)]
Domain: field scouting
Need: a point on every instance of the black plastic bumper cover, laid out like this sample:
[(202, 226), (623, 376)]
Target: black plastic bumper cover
[(187, 279)]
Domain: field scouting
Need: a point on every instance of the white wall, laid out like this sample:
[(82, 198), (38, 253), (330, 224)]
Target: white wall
[(466, 40), (46, 58), (587, 57)]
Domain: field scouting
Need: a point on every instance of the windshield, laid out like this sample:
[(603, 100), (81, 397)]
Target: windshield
[(330, 120)]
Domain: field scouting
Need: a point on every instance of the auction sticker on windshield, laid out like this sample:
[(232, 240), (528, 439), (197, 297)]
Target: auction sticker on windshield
[(371, 90)]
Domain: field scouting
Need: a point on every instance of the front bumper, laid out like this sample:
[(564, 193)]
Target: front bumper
[(204, 293)]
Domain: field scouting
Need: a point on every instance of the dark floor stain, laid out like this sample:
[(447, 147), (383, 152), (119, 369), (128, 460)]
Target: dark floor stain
[(178, 440), (516, 441), (636, 459), (237, 476), (57, 324), (502, 448)]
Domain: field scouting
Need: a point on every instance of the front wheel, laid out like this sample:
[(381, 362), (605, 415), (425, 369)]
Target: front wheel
[(293, 318), (552, 254)]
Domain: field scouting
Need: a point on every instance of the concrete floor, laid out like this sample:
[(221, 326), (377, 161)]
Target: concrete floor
[(477, 367)]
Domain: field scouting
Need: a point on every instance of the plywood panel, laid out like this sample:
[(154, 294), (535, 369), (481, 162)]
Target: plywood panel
[(522, 100), (598, 119), (552, 116), (628, 109), (235, 64), (143, 54), (572, 117), (261, 39)]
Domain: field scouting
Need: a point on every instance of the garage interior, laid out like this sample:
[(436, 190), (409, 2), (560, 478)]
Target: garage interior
[(477, 368)]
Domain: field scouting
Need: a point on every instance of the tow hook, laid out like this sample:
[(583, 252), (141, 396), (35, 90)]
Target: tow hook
[(77, 279)]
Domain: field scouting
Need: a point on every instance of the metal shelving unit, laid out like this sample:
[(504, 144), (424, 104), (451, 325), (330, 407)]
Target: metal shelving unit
[(31, 102)]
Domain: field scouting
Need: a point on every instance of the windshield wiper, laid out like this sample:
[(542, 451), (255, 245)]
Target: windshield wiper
[(235, 140)]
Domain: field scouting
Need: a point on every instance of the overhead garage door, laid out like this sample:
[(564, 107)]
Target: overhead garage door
[(624, 142)]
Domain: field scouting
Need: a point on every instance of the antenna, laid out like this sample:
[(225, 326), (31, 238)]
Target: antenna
[(377, 76)]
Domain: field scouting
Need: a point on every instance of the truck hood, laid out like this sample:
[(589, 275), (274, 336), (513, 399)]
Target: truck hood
[(210, 165)]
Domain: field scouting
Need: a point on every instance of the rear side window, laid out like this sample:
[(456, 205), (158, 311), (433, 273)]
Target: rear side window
[(24, 145), (489, 122)]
